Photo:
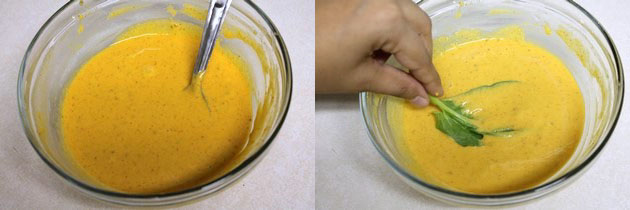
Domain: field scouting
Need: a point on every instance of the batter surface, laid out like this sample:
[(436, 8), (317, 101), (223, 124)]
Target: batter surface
[(545, 106), (130, 123)]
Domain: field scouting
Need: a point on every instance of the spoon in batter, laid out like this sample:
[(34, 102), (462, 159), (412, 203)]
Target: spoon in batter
[(216, 14)]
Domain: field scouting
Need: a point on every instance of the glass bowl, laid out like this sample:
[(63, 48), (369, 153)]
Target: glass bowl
[(596, 68), (80, 29)]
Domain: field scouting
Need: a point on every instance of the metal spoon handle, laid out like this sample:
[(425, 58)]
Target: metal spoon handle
[(216, 14)]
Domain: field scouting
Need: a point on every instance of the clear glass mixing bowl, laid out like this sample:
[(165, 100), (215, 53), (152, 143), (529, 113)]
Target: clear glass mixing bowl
[(597, 70), (82, 28)]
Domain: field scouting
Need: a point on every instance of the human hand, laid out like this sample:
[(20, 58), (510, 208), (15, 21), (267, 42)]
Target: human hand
[(354, 38)]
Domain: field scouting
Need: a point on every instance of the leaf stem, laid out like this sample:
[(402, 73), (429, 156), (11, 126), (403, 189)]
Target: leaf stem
[(460, 118)]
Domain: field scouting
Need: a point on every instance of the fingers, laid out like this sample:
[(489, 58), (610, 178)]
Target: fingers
[(428, 76), (419, 21), (411, 52), (421, 24), (389, 80)]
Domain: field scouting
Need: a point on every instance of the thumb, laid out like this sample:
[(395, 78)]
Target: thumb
[(389, 80)]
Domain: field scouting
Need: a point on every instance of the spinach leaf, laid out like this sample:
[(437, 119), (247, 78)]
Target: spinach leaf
[(463, 135), (454, 121), (501, 132), (486, 87)]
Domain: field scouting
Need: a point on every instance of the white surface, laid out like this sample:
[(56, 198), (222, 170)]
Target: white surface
[(284, 179), (351, 173)]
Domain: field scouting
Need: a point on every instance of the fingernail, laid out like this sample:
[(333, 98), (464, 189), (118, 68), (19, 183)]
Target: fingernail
[(438, 93), (419, 101)]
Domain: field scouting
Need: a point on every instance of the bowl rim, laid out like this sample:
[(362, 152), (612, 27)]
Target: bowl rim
[(250, 161), (540, 188)]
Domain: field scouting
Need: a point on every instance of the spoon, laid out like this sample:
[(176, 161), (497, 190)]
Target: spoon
[(216, 14)]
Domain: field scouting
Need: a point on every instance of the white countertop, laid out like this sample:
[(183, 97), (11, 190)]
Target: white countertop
[(351, 173), (284, 179)]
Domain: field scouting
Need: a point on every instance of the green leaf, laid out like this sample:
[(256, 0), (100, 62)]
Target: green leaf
[(457, 108), (454, 121), (486, 87), (463, 135), (501, 132), (453, 111)]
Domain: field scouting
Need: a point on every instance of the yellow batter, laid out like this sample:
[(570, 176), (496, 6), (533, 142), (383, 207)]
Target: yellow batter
[(545, 107), (130, 124)]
